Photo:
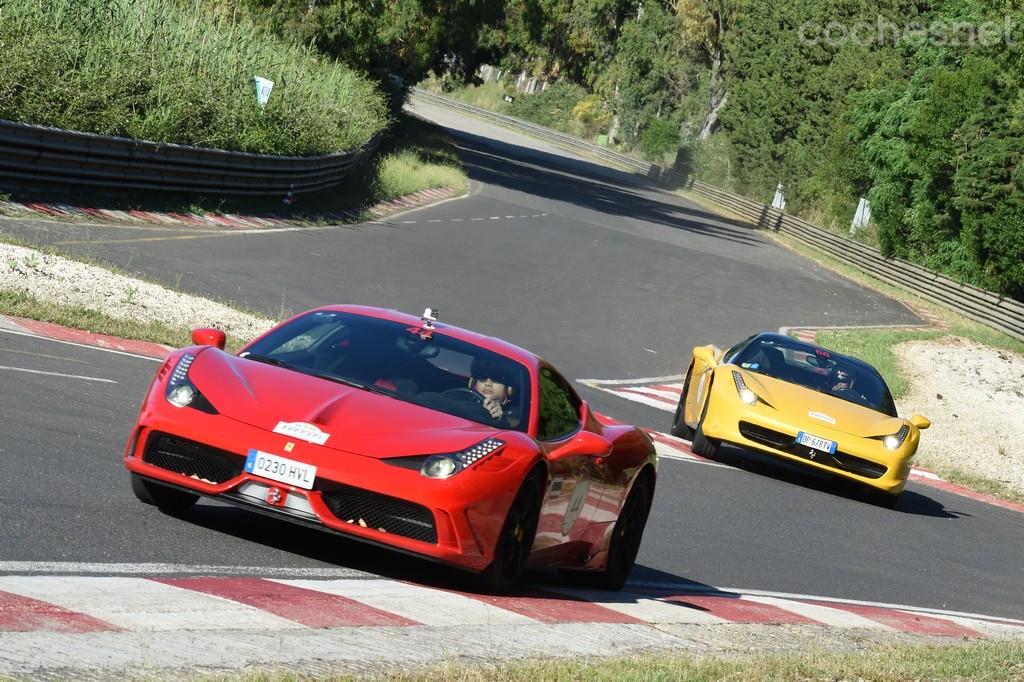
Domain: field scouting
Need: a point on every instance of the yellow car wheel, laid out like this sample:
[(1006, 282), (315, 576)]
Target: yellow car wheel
[(702, 445), (679, 426)]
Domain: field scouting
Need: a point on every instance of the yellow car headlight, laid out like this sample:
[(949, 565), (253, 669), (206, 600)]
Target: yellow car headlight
[(746, 394), (895, 440)]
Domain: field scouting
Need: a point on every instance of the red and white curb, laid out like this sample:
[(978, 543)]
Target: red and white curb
[(81, 337), (220, 220), (663, 393), (79, 622), (81, 604)]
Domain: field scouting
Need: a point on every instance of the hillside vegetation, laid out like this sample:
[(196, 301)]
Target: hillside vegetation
[(170, 72), (917, 105)]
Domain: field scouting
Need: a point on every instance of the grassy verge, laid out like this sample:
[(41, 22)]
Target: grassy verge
[(993, 662), (170, 72), (413, 156)]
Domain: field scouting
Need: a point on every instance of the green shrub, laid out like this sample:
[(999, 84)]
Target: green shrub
[(660, 137), (552, 108), (166, 72)]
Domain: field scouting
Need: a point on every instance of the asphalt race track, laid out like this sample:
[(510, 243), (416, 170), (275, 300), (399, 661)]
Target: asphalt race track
[(604, 275)]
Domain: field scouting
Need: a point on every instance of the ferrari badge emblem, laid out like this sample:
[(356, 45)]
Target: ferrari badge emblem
[(303, 431), (289, 447), (275, 497)]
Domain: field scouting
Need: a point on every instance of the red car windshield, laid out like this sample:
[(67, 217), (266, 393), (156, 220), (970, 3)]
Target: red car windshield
[(382, 356)]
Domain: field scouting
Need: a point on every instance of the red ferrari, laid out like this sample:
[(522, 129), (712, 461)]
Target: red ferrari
[(402, 432)]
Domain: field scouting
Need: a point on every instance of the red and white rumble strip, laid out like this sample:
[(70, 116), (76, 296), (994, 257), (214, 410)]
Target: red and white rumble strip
[(76, 622)]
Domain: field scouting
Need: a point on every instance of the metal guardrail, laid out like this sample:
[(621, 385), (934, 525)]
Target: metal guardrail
[(31, 154), (999, 312)]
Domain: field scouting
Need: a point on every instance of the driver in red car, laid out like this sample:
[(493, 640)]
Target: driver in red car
[(491, 382)]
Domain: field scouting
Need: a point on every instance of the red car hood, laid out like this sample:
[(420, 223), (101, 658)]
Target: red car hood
[(354, 420)]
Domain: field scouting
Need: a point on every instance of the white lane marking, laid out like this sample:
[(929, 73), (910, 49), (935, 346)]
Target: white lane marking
[(62, 358), (640, 607), (642, 399), (81, 345), (689, 588), (670, 395), (408, 222), (150, 569), (495, 217), (140, 604), (822, 614), (457, 220), (475, 219), (421, 604), (433, 221), (58, 374), (510, 216), (595, 383)]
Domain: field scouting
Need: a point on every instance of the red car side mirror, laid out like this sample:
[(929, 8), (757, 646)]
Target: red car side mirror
[(583, 444), (209, 337)]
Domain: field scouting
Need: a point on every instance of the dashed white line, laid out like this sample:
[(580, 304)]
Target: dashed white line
[(58, 374)]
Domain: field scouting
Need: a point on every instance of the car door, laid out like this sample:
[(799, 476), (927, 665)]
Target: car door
[(575, 482)]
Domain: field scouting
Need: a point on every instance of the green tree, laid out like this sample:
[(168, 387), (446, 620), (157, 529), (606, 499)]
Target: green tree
[(650, 74), (407, 38)]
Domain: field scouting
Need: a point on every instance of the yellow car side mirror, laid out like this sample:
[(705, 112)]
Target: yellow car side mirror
[(706, 354), (920, 421)]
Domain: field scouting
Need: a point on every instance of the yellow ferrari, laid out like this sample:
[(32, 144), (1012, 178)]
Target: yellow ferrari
[(778, 395)]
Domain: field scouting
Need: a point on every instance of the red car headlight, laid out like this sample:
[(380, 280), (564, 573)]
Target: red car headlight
[(449, 464), (181, 392)]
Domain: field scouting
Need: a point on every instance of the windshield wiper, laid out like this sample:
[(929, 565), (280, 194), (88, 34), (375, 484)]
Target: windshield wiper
[(338, 380), (355, 384), (269, 360)]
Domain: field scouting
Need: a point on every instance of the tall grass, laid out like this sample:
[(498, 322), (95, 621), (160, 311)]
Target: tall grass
[(170, 72)]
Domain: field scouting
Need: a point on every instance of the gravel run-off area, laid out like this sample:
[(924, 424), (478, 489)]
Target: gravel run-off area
[(973, 394), (53, 279)]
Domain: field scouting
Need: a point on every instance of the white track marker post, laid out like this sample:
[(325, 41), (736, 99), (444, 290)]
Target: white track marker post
[(263, 88), (779, 200), (862, 217)]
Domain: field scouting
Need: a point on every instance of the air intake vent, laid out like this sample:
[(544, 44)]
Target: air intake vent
[(379, 512), (192, 459)]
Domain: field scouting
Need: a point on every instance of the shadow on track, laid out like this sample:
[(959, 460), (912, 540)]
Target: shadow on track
[(909, 502), (590, 186), (341, 552)]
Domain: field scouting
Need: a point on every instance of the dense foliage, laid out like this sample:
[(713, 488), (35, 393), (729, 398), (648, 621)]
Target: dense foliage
[(147, 69), (915, 104)]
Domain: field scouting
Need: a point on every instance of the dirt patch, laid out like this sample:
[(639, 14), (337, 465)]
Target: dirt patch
[(974, 396)]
